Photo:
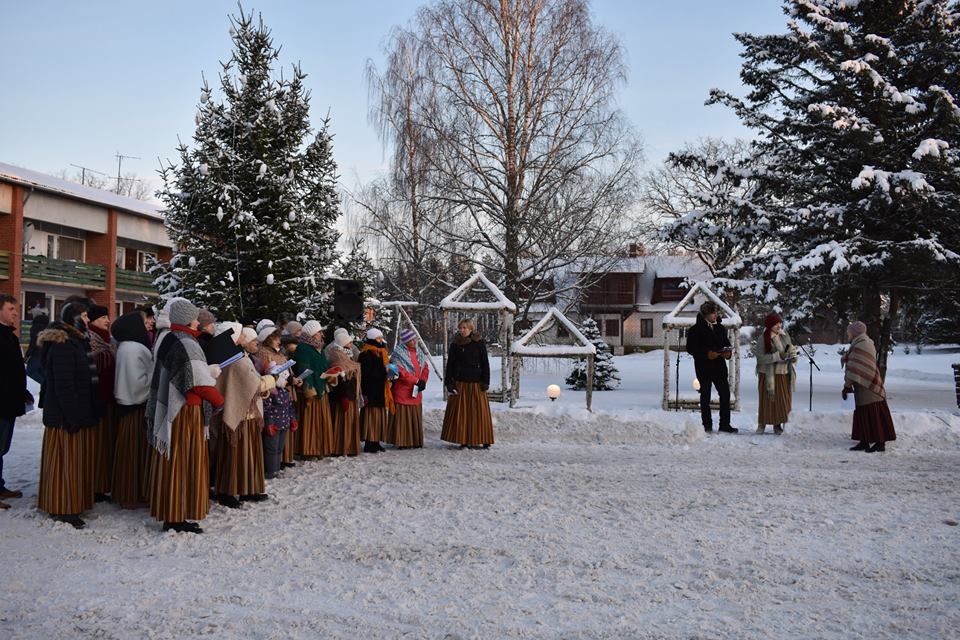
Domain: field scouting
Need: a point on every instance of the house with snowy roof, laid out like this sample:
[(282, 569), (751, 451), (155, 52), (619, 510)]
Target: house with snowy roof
[(630, 298), (59, 238)]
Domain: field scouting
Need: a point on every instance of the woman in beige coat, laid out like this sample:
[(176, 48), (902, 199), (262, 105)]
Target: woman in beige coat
[(776, 375)]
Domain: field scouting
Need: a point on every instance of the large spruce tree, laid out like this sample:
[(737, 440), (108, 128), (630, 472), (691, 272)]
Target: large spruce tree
[(251, 205), (857, 117)]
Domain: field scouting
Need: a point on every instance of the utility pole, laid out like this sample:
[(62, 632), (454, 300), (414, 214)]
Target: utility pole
[(120, 158), (83, 172)]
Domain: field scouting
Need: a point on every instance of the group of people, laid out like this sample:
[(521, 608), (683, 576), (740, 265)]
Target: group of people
[(776, 358), (143, 412)]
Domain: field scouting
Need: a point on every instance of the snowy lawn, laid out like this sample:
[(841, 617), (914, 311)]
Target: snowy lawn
[(629, 522)]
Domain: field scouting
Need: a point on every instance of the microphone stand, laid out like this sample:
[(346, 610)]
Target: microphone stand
[(677, 376), (812, 365)]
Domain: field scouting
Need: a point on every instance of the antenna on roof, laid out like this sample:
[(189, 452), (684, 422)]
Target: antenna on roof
[(120, 158), (83, 172)]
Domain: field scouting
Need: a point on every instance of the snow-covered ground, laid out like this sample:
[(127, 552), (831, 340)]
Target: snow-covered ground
[(628, 522)]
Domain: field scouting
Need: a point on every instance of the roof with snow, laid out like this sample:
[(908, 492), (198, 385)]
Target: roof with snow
[(455, 299), (674, 319), (51, 184), (522, 346)]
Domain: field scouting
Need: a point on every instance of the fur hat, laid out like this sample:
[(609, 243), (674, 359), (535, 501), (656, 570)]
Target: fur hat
[(182, 311), (342, 339), (96, 312), (374, 334), (249, 333), (857, 328), (311, 327), (206, 317), (235, 327), (293, 328), (266, 332), (407, 335)]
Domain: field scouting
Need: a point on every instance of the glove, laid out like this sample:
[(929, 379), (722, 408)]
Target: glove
[(421, 384), (845, 393), (214, 370), (344, 403), (727, 355), (282, 379), (712, 355), (294, 425), (273, 430)]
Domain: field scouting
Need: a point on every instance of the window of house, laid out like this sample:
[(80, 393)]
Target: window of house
[(121, 255), (611, 327), (668, 290), (68, 248), (646, 327), (145, 259)]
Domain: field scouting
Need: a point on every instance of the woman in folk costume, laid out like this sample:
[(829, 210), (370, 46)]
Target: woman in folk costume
[(406, 428), (279, 412), (375, 389), (776, 374), (182, 398), (467, 420), (345, 397), (314, 438), (240, 462), (105, 435), (872, 421), (131, 388), (70, 398)]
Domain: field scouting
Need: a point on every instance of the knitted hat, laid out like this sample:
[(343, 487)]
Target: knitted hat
[(235, 327), (266, 332), (343, 339), (374, 334), (206, 317), (311, 327), (407, 335), (249, 334), (338, 331), (96, 312), (857, 328), (182, 311), (293, 328), (265, 323), (771, 320)]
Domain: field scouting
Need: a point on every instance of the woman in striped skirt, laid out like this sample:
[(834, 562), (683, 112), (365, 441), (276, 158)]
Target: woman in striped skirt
[(182, 392), (134, 369), (467, 420), (375, 388), (279, 412), (315, 435), (71, 408), (872, 421), (105, 434), (406, 427), (776, 375), (345, 396)]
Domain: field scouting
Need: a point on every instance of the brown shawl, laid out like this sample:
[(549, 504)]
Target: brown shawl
[(343, 358), (240, 385), (862, 367)]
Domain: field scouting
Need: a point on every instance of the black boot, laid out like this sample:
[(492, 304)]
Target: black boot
[(728, 429), (863, 445), (73, 520), (877, 448), (254, 497), (368, 447), (228, 501)]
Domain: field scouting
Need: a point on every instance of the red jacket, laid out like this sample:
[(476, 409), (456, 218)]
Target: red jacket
[(403, 386)]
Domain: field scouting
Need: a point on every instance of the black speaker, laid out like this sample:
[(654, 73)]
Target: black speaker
[(347, 300)]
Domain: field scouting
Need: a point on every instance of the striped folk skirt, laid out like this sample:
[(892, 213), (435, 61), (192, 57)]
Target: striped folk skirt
[(131, 461), (406, 427), (373, 423), (775, 409), (62, 475), (467, 419), (105, 439), (178, 481), (873, 423), (315, 435), (346, 429), (240, 459), (88, 437)]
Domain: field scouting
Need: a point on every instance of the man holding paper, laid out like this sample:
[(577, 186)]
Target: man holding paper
[(709, 345)]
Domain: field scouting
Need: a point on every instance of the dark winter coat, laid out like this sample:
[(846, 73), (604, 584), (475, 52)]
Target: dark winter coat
[(13, 389), (467, 361), (373, 373), (70, 395), (703, 338)]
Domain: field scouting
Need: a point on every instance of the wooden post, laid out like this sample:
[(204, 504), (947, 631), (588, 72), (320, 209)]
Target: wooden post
[(590, 371), (666, 369)]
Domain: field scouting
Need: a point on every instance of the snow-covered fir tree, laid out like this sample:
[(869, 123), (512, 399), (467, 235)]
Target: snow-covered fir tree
[(857, 190), (605, 374), (252, 203)]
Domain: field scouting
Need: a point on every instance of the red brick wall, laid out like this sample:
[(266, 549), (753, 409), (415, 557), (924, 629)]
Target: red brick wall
[(102, 249), (11, 239)]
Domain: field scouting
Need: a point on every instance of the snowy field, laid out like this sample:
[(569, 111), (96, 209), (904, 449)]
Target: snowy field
[(628, 522)]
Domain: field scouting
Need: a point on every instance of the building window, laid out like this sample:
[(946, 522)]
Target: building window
[(144, 260), (668, 290), (611, 327), (69, 249), (646, 327)]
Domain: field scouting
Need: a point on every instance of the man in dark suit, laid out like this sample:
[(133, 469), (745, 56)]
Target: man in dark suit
[(13, 391), (709, 345)]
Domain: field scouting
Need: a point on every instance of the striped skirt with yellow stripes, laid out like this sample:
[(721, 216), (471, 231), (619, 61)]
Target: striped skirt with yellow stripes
[(406, 426), (774, 409), (63, 478), (178, 481), (467, 420), (373, 423), (315, 434), (240, 459), (346, 429), (131, 460)]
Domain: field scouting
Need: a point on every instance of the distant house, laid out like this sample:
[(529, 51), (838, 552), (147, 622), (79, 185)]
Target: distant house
[(58, 238), (631, 298)]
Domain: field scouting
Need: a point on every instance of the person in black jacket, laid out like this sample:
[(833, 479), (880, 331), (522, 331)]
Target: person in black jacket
[(13, 392), (707, 342), (375, 390), (70, 398), (467, 420)]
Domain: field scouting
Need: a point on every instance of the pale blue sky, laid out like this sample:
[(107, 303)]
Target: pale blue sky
[(81, 81)]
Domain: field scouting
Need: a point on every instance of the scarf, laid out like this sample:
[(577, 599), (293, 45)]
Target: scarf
[(240, 385), (343, 358), (315, 341), (401, 356), (862, 369), (779, 344), (381, 352)]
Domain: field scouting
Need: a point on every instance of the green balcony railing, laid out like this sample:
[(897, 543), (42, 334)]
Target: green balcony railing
[(44, 269), (138, 281), (4, 264)]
